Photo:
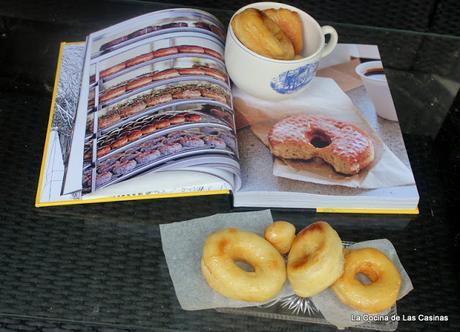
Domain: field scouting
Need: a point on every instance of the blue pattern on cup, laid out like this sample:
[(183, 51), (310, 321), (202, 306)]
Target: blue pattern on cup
[(292, 80)]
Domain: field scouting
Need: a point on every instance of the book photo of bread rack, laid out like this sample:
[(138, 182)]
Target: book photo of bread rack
[(154, 107)]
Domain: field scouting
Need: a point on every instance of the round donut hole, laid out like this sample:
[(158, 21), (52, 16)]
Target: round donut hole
[(320, 140), (366, 277), (245, 266)]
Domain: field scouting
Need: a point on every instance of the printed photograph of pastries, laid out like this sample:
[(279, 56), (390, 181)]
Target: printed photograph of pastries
[(172, 70), (157, 49), (329, 140), (155, 24), (185, 116), (151, 151), (159, 97)]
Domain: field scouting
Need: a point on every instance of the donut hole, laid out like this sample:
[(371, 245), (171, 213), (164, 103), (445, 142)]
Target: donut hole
[(320, 140), (244, 266), (367, 275)]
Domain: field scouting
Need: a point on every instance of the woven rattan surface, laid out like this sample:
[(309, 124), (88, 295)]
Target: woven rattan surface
[(101, 267)]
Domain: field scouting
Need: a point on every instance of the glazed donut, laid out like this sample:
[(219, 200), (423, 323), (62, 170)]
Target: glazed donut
[(139, 81), (227, 246), (112, 70), (193, 118), (191, 71), (139, 59), (213, 53), (102, 179), (165, 74), (101, 152), (187, 94), (260, 34), (155, 100), (280, 234), (108, 120), (165, 52), (290, 23), (190, 49), (134, 135), (122, 141), (384, 277), (316, 259), (146, 157), (111, 93), (149, 129), (113, 43), (177, 119), (342, 145), (133, 108)]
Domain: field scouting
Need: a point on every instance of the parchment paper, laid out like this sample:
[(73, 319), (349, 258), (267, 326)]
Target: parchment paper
[(322, 97), (339, 314), (183, 247), (183, 244)]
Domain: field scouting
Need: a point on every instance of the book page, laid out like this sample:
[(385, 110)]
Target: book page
[(154, 94), (338, 94)]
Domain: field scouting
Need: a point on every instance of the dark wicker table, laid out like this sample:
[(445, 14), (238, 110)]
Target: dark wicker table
[(101, 267)]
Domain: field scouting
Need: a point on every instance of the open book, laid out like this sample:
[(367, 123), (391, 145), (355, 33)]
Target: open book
[(145, 109)]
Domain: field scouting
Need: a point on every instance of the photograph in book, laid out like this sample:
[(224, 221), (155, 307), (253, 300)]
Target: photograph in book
[(327, 141), (146, 109)]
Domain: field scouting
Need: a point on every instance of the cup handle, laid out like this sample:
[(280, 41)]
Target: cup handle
[(328, 30)]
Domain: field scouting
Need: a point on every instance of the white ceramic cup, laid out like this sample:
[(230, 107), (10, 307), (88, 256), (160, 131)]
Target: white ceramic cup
[(377, 88), (273, 79)]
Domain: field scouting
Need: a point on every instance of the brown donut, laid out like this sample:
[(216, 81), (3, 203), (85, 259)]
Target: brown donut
[(193, 118), (209, 93), (113, 43), (134, 135), (152, 101), (139, 81), (112, 70), (108, 120), (131, 109), (103, 151), (122, 141), (215, 73), (139, 59), (149, 129), (177, 119), (191, 71), (190, 49), (140, 32), (165, 74), (162, 124), (165, 52), (112, 93), (213, 53), (187, 94)]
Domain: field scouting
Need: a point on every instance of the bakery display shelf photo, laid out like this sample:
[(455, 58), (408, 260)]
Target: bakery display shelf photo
[(166, 81), (187, 69), (159, 23), (204, 55), (147, 153), (164, 96), (156, 48), (115, 146), (215, 110)]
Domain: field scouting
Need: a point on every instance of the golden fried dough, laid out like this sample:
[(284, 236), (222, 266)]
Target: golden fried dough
[(261, 35), (291, 24)]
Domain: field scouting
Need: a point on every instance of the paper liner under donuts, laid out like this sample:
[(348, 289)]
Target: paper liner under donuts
[(324, 98)]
